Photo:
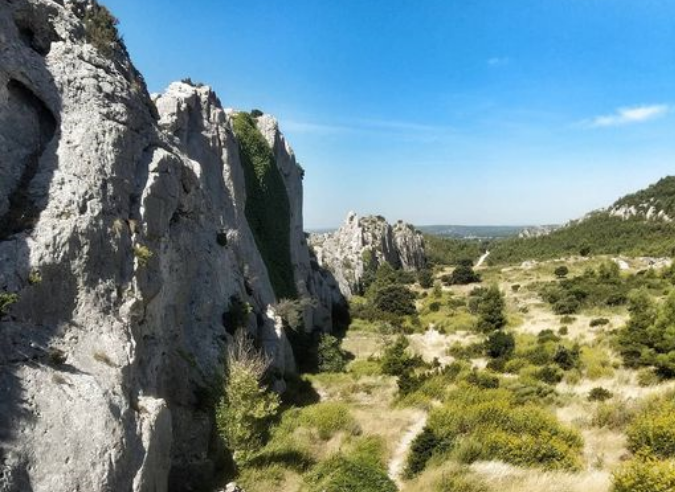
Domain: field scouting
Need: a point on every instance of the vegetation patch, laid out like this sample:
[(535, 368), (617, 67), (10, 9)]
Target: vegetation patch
[(483, 424), (267, 205)]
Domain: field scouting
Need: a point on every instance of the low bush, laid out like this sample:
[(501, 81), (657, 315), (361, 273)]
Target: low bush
[(480, 424), (645, 474), (396, 360), (599, 394), (648, 377), (598, 322), (500, 344), (550, 374), (614, 415), (100, 28), (246, 408), (331, 357), (6, 300), (349, 473), (653, 430), (461, 275), (329, 418)]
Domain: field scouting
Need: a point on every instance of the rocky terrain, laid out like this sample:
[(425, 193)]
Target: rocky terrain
[(125, 244), (364, 243)]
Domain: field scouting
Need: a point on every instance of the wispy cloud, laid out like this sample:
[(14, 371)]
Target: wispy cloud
[(371, 126), (628, 116), (499, 61)]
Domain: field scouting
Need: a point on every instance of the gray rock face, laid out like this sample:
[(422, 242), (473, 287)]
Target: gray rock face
[(123, 237), (367, 241)]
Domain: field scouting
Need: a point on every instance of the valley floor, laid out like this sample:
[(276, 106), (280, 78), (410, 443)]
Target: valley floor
[(374, 408)]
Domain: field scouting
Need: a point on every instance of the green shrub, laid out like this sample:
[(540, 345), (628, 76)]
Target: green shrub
[(237, 315), (477, 424), (329, 418), (613, 415), (489, 305), (6, 300), (246, 408), (566, 320), (347, 474), (546, 336), (100, 28), (563, 330), (396, 360), (395, 299), (461, 275), (648, 377), (421, 450), (599, 394), (361, 368), (482, 379), (515, 288), (645, 475), (267, 205), (566, 358), (598, 322), (143, 254), (425, 278), (550, 374), (434, 307), (331, 356), (561, 271), (653, 430), (500, 345)]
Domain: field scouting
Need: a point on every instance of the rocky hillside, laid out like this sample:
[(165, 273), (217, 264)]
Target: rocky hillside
[(136, 235), (657, 202), (639, 224), (363, 243)]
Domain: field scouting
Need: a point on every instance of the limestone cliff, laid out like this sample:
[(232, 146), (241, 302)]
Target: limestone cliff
[(124, 244), (366, 242)]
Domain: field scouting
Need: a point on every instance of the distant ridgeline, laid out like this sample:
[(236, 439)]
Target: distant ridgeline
[(639, 224)]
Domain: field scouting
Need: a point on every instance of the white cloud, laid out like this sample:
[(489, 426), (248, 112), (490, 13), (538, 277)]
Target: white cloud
[(629, 115), (499, 61)]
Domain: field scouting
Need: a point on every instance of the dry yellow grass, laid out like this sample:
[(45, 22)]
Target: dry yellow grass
[(501, 477)]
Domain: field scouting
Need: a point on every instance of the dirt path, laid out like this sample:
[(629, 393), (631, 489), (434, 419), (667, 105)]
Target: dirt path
[(397, 462), (482, 259)]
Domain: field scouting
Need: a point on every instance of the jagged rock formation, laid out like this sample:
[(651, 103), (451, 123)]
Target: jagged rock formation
[(367, 242), (537, 231), (124, 243)]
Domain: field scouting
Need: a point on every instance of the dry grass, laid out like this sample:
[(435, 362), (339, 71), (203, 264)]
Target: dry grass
[(501, 477), (434, 345)]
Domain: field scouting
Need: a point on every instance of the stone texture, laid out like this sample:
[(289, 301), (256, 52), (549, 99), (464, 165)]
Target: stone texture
[(361, 240), (123, 233)]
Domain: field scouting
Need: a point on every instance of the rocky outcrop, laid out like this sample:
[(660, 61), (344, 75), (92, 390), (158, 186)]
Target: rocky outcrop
[(124, 244), (537, 231), (363, 243)]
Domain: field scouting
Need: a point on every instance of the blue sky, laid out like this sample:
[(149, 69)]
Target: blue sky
[(436, 111)]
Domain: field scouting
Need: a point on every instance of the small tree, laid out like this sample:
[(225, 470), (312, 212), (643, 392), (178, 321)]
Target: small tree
[(561, 271), (331, 356), (500, 345), (463, 275), (425, 278), (396, 299), (491, 310), (396, 360), (246, 408)]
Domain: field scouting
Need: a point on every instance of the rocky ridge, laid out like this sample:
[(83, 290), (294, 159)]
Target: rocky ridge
[(124, 243), (366, 242)]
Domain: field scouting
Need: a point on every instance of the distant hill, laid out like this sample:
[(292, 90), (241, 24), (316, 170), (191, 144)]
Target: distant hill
[(639, 224), (473, 232)]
